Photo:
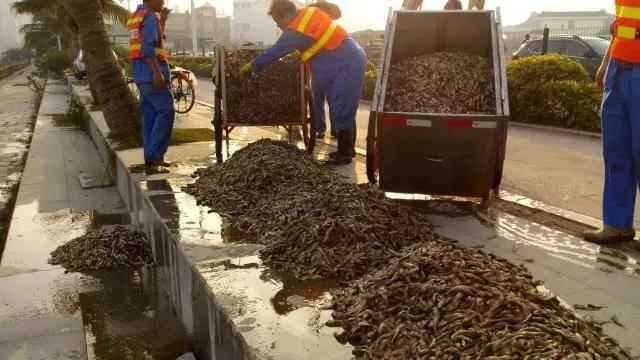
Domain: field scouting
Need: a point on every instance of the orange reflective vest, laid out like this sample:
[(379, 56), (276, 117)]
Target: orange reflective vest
[(626, 31), (319, 26), (134, 26)]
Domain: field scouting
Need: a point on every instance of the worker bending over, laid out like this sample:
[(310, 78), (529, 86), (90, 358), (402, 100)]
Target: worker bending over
[(337, 64), (618, 76), (151, 74)]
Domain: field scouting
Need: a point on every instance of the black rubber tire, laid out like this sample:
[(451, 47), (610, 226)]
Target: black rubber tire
[(372, 150), (190, 90), (309, 124)]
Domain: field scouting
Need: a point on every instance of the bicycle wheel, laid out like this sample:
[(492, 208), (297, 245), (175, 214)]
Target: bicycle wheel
[(184, 95), (33, 86)]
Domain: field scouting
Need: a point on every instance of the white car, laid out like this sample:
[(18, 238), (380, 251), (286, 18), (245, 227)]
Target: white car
[(80, 68)]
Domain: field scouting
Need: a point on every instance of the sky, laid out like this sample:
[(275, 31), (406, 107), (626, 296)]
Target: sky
[(366, 14)]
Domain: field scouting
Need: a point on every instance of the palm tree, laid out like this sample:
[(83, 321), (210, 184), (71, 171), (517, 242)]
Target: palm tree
[(84, 21), (56, 20), (105, 77)]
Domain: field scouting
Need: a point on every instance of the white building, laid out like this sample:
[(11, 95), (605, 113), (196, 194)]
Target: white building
[(10, 23), (252, 24), (574, 20), (565, 20)]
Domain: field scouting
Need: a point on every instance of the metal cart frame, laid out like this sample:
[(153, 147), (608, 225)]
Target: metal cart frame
[(440, 169), (221, 123)]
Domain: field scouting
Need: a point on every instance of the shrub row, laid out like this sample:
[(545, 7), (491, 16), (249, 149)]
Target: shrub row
[(553, 90), (201, 66), (55, 62), (9, 68)]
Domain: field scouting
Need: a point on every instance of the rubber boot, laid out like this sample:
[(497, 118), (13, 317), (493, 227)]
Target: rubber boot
[(609, 235), (333, 154), (152, 169), (343, 156)]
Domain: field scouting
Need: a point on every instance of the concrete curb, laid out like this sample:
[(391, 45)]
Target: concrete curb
[(557, 130)]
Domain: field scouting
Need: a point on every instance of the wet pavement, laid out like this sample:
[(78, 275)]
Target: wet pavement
[(46, 313), (17, 110)]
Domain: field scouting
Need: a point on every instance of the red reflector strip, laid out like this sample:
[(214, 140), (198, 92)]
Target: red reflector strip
[(394, 121), (469, 124), (460, 123)]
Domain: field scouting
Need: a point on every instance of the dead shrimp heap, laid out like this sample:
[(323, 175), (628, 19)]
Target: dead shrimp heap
[(410, 294), (105, 248)]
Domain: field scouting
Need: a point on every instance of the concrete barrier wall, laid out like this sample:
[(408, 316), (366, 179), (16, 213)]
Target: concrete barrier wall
[(205, 321)]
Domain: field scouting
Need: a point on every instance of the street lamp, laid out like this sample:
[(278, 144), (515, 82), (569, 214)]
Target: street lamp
[(194, 30)]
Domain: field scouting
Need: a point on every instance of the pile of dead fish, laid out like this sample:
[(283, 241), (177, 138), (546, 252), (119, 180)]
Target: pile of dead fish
[(270, 97), (408, 294), (301, 210), (440, 301), (105, 248), (442, 83)]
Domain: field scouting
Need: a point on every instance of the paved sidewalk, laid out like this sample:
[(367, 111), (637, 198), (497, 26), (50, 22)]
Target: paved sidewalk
[(39, 316), (17, 108)]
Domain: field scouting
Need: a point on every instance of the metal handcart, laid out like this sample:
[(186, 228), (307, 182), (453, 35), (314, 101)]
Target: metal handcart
[(222, 122), (439, 154)]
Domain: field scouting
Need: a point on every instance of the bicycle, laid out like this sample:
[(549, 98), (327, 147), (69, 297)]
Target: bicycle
[(184, 94), (34, 84)]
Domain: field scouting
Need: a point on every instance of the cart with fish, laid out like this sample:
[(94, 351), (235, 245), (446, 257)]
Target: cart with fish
[(278, 96), (440, 112)]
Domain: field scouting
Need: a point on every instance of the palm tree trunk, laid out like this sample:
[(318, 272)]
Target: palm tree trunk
[(120, 108)]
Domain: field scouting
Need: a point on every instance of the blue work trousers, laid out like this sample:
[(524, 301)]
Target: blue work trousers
[(621, 144), (341, 80), (319, 98), (158, 114)]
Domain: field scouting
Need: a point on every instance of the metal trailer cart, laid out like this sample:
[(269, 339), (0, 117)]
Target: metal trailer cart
[(439, 154), (221, 121)]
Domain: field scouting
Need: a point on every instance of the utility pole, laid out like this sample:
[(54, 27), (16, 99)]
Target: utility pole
[(194, 30)]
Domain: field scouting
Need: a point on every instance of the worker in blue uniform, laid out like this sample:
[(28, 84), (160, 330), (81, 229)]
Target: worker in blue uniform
[(151, 74), (337, 64), (619, 76), (320, 94)]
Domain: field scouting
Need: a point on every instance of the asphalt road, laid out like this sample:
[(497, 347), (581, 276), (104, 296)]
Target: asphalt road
[(563, 170)]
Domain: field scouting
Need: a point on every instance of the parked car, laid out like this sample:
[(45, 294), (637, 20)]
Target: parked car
[(80, 68), (587, 50)]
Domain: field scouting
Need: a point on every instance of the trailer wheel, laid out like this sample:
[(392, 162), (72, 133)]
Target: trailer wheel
[(309, 123), (372, 150)]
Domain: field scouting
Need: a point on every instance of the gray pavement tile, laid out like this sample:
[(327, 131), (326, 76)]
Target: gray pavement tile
[(45, 192), (559, 284), (52, 337), (53, 206), (101, 199)]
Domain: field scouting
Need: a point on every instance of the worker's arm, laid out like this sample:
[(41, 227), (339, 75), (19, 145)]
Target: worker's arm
[(602, 71), (288, 42), (150, 38)]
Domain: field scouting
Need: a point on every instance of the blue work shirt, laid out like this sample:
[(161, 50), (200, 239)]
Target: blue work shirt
[(325, 64), (151, 38)]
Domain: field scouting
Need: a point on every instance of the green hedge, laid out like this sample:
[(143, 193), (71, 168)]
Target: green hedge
[(553, 90), (201, 66), (55, 62), (370, 77), (9, 68)]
